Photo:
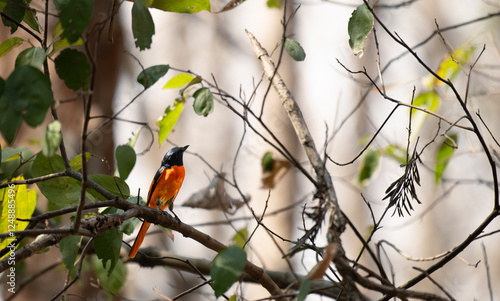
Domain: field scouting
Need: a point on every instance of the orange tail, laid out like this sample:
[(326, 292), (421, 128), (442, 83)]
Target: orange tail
[(140, 238)]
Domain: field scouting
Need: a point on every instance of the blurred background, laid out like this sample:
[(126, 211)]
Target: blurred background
[(336, 108)]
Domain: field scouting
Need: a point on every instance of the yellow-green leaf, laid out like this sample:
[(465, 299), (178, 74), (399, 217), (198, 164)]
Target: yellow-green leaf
[(178, 81), (9, 44), (182, 6), (427, 100), (169, 120), (448, 69), (370, 165), (16, 202), (444, 155)]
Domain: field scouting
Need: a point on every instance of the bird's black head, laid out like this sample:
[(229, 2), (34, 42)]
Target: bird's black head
[(174, 156)]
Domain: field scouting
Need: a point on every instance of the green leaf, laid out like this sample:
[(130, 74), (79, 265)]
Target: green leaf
[(267, 162), (69, 248), (34, 56), (73, 67), (31, 20), (112, 282), (444, 155), (240, 238), (107, 248), (359, 27), (51, 138), (61, 42), (182, 6), (61, 192), (143, 27), (273, 3), (10, 120), (125, 159), (295, 50), (76, 162), (203, 102), (74, 16), (427, 100), (226, 268), (151, 75), (169, 120), (451, 66), (10, 44), (305, 288), (370, 165), (27, 94), (115, 185), (178, 81), (15, 10)]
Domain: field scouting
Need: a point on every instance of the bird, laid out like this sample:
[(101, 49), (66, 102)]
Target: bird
[(163, 190)]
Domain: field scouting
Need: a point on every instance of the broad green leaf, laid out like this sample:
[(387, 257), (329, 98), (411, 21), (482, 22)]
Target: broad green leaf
[(76, 162), (115, 185), (16, 202), (73, 67), (359, 27), (69, 247), (151, 75), (61, 192), (182, 6), (9, 119), (125, 160), (34, 56), (226, 268), (295, 50), (143, 26), (240, 238), (169, 120), (178, 81), (443, 157), (450, 67), (51, 138), (61, 43), (107, 248), (3, 3), (74, 16), (369, 166), (304, 289), (427, 100), (27, 94), (267, 161), (31, 19), (203, 102), (9, 44), (111, 282), (15, 10)]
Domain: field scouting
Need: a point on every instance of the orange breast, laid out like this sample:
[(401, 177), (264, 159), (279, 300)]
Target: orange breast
[(168, 186)]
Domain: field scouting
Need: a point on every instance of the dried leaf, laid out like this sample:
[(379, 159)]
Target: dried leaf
[(278, 170), (215, 196)]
